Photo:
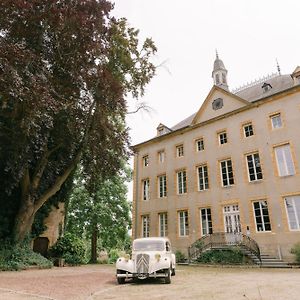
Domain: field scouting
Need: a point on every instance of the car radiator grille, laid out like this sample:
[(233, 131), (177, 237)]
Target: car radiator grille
[(142, 263)]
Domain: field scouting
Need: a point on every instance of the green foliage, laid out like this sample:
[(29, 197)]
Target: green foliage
[(64, 78), (228, 256), (101, 207), (296, 250), (180, 256), (20, 257), (69, 247), (114, 254)]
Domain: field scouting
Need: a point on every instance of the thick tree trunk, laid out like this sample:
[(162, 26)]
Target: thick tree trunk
[(24, 220), (94, 246), (28, 207)]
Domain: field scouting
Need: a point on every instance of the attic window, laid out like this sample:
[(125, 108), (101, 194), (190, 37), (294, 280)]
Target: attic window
[(160, 131), (266, 87)]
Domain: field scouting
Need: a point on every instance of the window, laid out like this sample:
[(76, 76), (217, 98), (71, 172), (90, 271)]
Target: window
[(161, 156), (232, 220), (292, 205), (146, 189), (162, 183), (179, 151), (217, 79), (224, 78), (183, 223), (146, 161), (285, 164), (145, 226), (248, 130), (200, 145), (261, 214), (222, 138), (266, 87), (206, 223), (181, 182), (202, 178), (254, 168), (163, 224), (161, 131), (276, 121), (227, 172)]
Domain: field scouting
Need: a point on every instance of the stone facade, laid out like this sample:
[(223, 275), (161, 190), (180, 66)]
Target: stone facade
[(233, 166)]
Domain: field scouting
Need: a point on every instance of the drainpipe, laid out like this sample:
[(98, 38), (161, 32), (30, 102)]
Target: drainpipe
[(136, 167)]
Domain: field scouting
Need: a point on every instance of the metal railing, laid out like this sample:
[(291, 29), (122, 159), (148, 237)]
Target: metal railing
[(223, 240)]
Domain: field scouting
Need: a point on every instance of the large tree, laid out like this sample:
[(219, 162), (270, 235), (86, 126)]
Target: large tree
[(100, 209), (66, 67)]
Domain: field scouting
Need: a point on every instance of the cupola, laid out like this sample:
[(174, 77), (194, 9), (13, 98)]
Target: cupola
[(219, 73)]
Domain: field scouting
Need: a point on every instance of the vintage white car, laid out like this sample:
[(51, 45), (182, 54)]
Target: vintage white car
[(151, 258)]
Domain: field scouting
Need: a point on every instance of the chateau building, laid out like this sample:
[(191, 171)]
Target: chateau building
[(233, 166)]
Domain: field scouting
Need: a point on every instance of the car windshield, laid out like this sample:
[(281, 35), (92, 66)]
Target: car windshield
[(148, 245)]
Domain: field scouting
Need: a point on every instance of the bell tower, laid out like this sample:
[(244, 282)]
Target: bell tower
[(219, 73)]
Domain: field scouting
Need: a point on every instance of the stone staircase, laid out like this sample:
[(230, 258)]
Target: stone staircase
[(267, 261)]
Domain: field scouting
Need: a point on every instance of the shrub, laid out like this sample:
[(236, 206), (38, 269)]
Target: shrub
[(69, 247), (180, 257), (296, 250), (114, 254), (228, 256), (21, 257)]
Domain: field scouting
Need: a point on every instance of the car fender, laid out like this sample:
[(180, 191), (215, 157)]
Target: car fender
[(125, 264)]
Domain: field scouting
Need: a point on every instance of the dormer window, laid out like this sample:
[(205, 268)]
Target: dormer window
[(162, 129), (266, 87)]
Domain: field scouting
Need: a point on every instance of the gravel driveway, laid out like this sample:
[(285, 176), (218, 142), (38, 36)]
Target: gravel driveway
[(97, 282)]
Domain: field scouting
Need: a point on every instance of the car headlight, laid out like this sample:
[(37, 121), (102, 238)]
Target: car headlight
[(157, 256), (127, 257)]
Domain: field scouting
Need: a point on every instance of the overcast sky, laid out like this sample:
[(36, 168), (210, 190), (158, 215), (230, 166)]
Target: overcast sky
[(249, 36)]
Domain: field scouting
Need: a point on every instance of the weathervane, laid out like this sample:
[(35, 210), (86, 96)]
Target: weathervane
[(278, 67)]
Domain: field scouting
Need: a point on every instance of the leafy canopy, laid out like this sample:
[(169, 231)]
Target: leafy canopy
[(65, 70)]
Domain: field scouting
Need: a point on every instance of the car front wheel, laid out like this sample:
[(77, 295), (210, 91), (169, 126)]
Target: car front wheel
[(120, 280), (168, 276)]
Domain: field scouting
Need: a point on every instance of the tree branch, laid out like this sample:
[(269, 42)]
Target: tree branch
[(141, 106), (38, 173)]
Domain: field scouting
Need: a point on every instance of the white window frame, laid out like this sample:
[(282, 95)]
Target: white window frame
[(263, 223), (228, 178), (205, 226), (145, 225), (232, 221), (247, 130), (163, 224), (183, 223), (162, 186), (146, 189), (202, 174), (145, 160), (223, 139), (181, 182), (161, 156), (255, 159), (284, 160), (200, 145), (276, 121), (293, 208), (179, 151)]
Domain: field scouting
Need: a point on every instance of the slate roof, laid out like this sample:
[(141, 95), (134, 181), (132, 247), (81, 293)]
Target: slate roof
[(252, 93)]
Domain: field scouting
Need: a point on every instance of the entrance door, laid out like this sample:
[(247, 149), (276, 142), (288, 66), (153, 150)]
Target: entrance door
[(40, 245), (232, 223)]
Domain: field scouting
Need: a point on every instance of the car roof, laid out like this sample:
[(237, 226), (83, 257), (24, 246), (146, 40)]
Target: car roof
[(163, 239)]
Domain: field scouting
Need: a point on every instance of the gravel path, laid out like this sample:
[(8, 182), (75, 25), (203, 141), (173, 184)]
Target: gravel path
[(97, 282)]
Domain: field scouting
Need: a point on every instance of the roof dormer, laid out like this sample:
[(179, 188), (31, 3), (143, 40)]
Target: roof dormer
[(162, 129), (266, 87), (296, 76)]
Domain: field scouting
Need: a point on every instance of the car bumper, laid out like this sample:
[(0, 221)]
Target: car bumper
[(142, 276)]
